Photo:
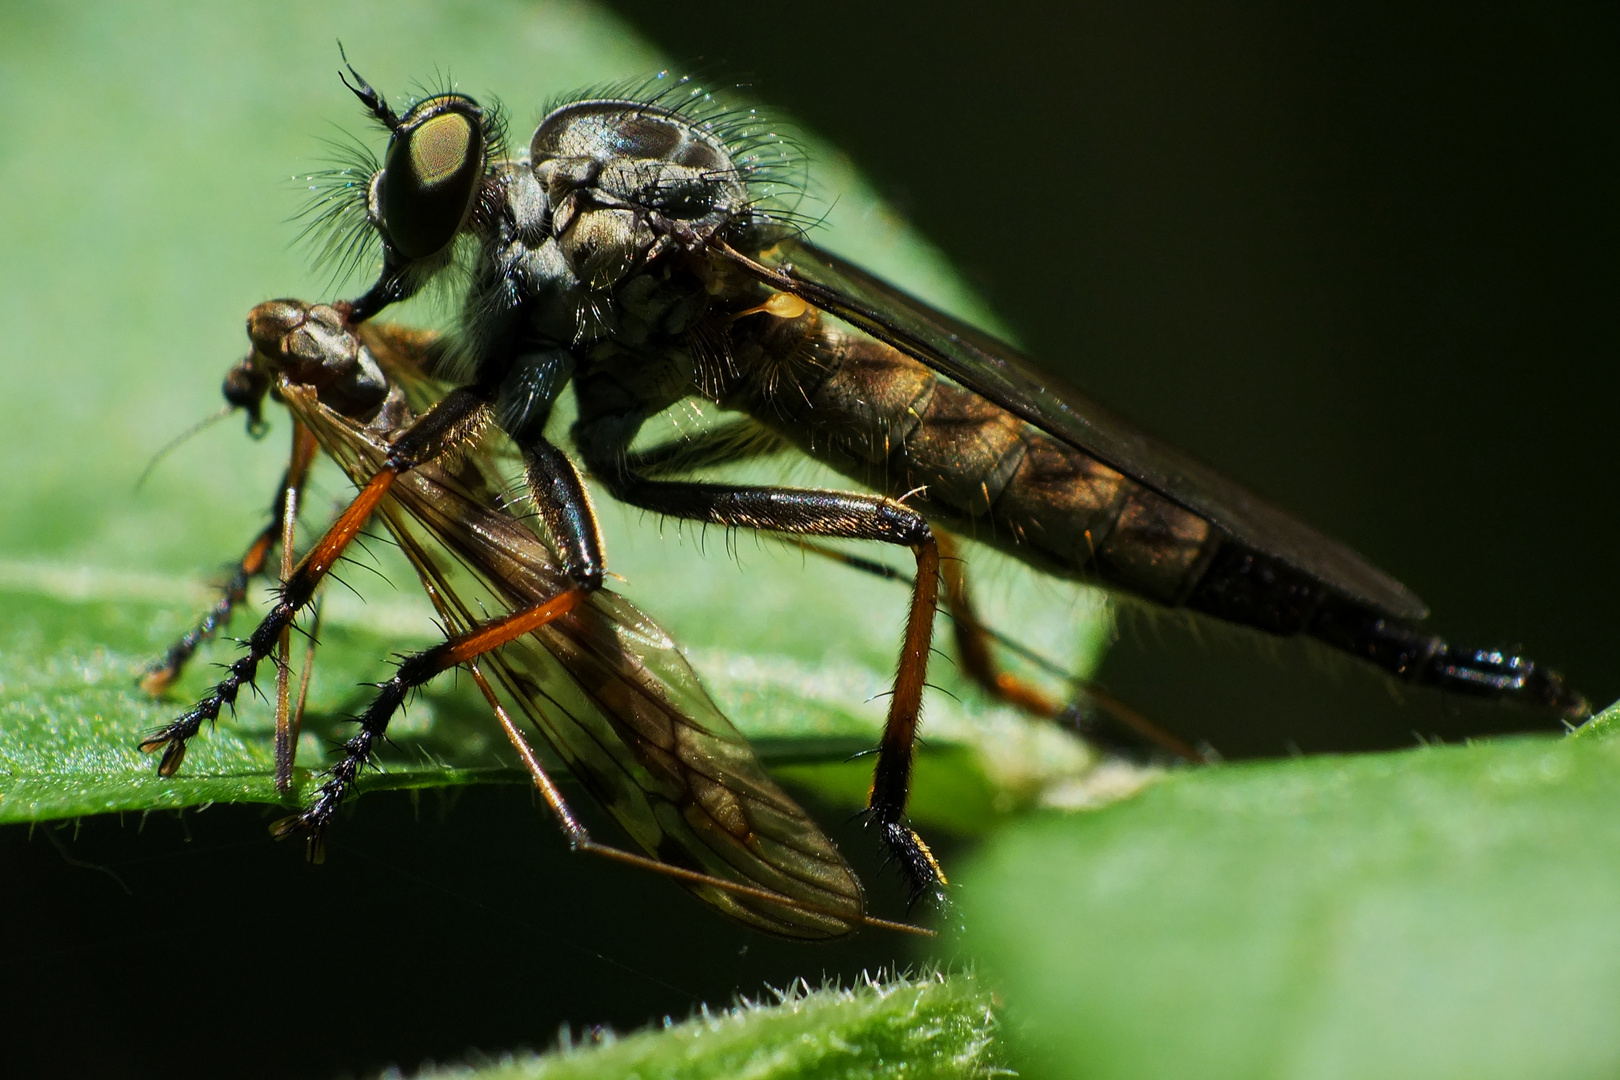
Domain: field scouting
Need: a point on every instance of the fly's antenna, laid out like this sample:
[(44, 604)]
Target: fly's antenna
[(174, 444), (374, 102)]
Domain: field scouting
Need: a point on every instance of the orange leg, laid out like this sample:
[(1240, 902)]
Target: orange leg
[(973, 641), (413, 671), (449, 423)]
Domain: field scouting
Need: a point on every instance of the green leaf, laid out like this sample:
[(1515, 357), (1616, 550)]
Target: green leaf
[(1443, 912), (926, 1028), (124, 311)]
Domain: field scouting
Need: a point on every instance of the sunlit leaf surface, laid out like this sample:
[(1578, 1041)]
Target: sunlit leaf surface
[(96, 577), (1441, 912), (924, 1028)]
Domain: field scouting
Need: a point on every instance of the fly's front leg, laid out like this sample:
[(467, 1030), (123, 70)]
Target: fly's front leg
[(162, 674), (851, 516), (566, 510), (450, 423), (412, 672)]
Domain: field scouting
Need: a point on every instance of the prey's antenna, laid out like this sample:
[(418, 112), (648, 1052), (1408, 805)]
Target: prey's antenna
[(370, 98), (174, 443)]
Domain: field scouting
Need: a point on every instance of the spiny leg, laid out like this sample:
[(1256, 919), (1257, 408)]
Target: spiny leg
[(843, 515), (973, 640), (450, 423), (413, 671), (162, 673)]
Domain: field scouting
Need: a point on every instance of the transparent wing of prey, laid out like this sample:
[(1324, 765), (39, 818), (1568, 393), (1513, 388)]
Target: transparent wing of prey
[(611, 694)]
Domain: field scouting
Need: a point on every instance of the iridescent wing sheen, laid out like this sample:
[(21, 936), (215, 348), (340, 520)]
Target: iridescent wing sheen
[(995, 370), (611, 694)]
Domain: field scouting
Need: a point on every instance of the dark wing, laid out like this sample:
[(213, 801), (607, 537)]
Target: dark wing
[(613, 697), (995, 370)]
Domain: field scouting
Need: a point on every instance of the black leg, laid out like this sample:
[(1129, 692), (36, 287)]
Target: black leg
[(740, 440), (162, 673), (852, 516), (413, 671), (450, 423)]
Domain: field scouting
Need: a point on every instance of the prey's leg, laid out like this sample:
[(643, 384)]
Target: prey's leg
[(414, 671), (449, 424), (161, 674)]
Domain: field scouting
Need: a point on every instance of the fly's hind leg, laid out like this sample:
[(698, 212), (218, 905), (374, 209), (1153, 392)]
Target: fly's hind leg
[(833, 514), (1124, 728), (973, 642)]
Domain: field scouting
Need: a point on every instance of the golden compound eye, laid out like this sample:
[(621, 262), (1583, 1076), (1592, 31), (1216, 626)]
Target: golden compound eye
[(431, 175), (439, 149)]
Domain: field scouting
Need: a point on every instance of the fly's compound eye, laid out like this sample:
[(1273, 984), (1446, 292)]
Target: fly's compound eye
[(431, 174)]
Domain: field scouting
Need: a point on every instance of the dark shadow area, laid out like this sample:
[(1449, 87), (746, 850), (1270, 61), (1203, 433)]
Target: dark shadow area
[(1360, 260), (195, 946)]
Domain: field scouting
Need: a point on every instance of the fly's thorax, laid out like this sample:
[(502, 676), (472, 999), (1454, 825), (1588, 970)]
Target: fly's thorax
[(641, 154), (522, 291), (620, 175), (620, 379)]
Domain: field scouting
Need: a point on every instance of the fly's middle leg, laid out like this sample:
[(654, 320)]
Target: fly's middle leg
[(850, 516), (413, 671)]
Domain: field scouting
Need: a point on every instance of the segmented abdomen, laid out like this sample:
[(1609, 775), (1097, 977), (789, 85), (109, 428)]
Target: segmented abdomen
[(888, 421)]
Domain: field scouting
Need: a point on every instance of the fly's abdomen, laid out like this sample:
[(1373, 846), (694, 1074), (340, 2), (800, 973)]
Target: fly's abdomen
[(884, 419), (889, 422)]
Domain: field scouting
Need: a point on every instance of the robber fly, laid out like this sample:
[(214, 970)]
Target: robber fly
[(629, 254)]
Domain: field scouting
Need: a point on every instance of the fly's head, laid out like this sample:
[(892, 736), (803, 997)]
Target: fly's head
[(627, 180), (611, 184), (424, 193)]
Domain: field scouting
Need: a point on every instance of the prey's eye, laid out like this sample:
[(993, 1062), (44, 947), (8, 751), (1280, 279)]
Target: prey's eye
[(431, 174)]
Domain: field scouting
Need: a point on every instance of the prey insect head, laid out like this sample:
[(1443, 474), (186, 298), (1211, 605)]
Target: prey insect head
[(311, 346)]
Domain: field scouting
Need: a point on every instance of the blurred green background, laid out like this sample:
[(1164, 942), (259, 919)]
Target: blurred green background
[(1361, 261)]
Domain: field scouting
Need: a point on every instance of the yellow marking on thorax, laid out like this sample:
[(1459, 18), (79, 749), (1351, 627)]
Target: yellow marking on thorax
[(782, 305)]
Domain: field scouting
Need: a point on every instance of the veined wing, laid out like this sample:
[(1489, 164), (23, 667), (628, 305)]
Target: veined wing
[(612, 695), (995, 370)]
